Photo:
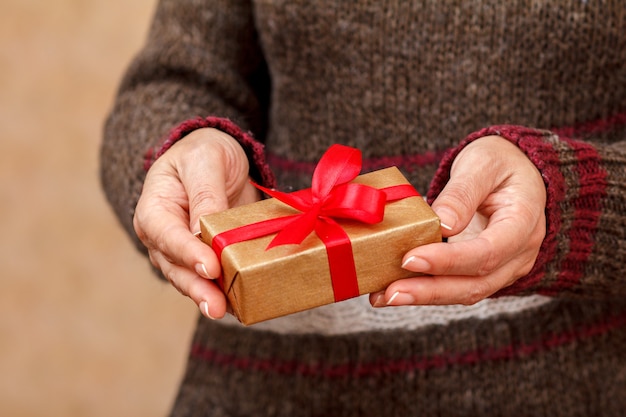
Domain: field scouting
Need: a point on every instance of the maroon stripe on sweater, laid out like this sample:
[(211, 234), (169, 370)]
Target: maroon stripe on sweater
[(406, 162), (363, 370), (587, 210), (592, 127), (409, 162)]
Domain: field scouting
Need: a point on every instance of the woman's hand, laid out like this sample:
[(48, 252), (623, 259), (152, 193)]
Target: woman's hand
[(494, 205), (203, 173)]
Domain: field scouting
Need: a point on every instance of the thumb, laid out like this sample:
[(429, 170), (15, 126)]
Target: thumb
[(457, 203), (208, 172), (206, 191)]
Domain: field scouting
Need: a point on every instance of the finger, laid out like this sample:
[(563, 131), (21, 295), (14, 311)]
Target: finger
[(205, 186), (476, 172), (510, 233), (443, 290), (458, 202), (183, 248), (206, 294), (214, 169), (475, 257), (165, 233)]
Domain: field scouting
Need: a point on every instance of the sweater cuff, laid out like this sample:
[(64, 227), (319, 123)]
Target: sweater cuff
[(537, 146), (259, 169)]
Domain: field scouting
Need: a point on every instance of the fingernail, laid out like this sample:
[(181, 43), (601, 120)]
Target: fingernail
[(204, 309), (201, 270), (401, 298), (379, 300), (415, 264), (407, 261), (447, 218)]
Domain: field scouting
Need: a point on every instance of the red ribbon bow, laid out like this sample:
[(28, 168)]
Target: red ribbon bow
[(331, 196)]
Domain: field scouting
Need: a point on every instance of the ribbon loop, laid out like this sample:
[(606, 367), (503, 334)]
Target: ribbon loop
[(330, 195), (339, 165)]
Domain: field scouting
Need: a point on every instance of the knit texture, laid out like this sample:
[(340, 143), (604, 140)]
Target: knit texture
[(566, 366), (410, 84)]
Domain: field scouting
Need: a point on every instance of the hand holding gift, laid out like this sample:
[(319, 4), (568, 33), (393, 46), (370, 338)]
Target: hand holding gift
[(495, 204), (204, 173)]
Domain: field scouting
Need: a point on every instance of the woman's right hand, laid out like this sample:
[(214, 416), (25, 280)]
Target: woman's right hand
[(203, 173)]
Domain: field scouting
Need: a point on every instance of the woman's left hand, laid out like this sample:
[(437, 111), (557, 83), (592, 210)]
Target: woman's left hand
[(494, 204)]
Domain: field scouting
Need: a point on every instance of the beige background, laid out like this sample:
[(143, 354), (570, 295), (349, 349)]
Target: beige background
[(85, 329)]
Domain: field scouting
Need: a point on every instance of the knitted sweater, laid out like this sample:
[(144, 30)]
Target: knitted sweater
[(409, 83)]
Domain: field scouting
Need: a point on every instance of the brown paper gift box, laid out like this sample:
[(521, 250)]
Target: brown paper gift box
[(263, 284)]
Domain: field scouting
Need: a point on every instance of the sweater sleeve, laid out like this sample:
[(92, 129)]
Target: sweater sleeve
[(584, 251), (201, 58)]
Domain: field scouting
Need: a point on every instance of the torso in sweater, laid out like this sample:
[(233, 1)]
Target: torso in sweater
[(405, 80)]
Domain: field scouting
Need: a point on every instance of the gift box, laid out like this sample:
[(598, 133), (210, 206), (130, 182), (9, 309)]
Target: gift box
[(301, 250)]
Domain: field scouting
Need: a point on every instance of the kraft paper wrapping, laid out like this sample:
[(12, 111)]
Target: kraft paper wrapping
[(263, 284)]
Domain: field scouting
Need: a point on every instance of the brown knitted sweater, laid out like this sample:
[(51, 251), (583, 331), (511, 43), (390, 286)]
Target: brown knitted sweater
[(405, 82)]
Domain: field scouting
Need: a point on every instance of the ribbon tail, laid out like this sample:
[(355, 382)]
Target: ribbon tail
[(340, 259), (300, 200), (295, 231)]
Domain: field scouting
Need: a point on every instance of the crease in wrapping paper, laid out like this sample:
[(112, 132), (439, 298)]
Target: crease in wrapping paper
[(261, 284)]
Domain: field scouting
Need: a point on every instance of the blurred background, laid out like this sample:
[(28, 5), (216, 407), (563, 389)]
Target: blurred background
[(85, 328)]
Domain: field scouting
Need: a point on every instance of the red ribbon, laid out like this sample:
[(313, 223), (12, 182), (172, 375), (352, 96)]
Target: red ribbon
[(331, 196)]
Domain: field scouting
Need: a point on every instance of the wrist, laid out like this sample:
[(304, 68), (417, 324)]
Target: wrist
[(254, 150)]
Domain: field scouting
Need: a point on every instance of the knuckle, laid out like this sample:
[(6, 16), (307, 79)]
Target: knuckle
[(446, 266), (153, 259), (172, 277), (477, 292), (163, 239), (488, 266), (527, 266), (535, 218), (460, 195), (490, 262), (431, 298), (434, 298), (539, 234), (208, 196), (177, 287), (138, 223)]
